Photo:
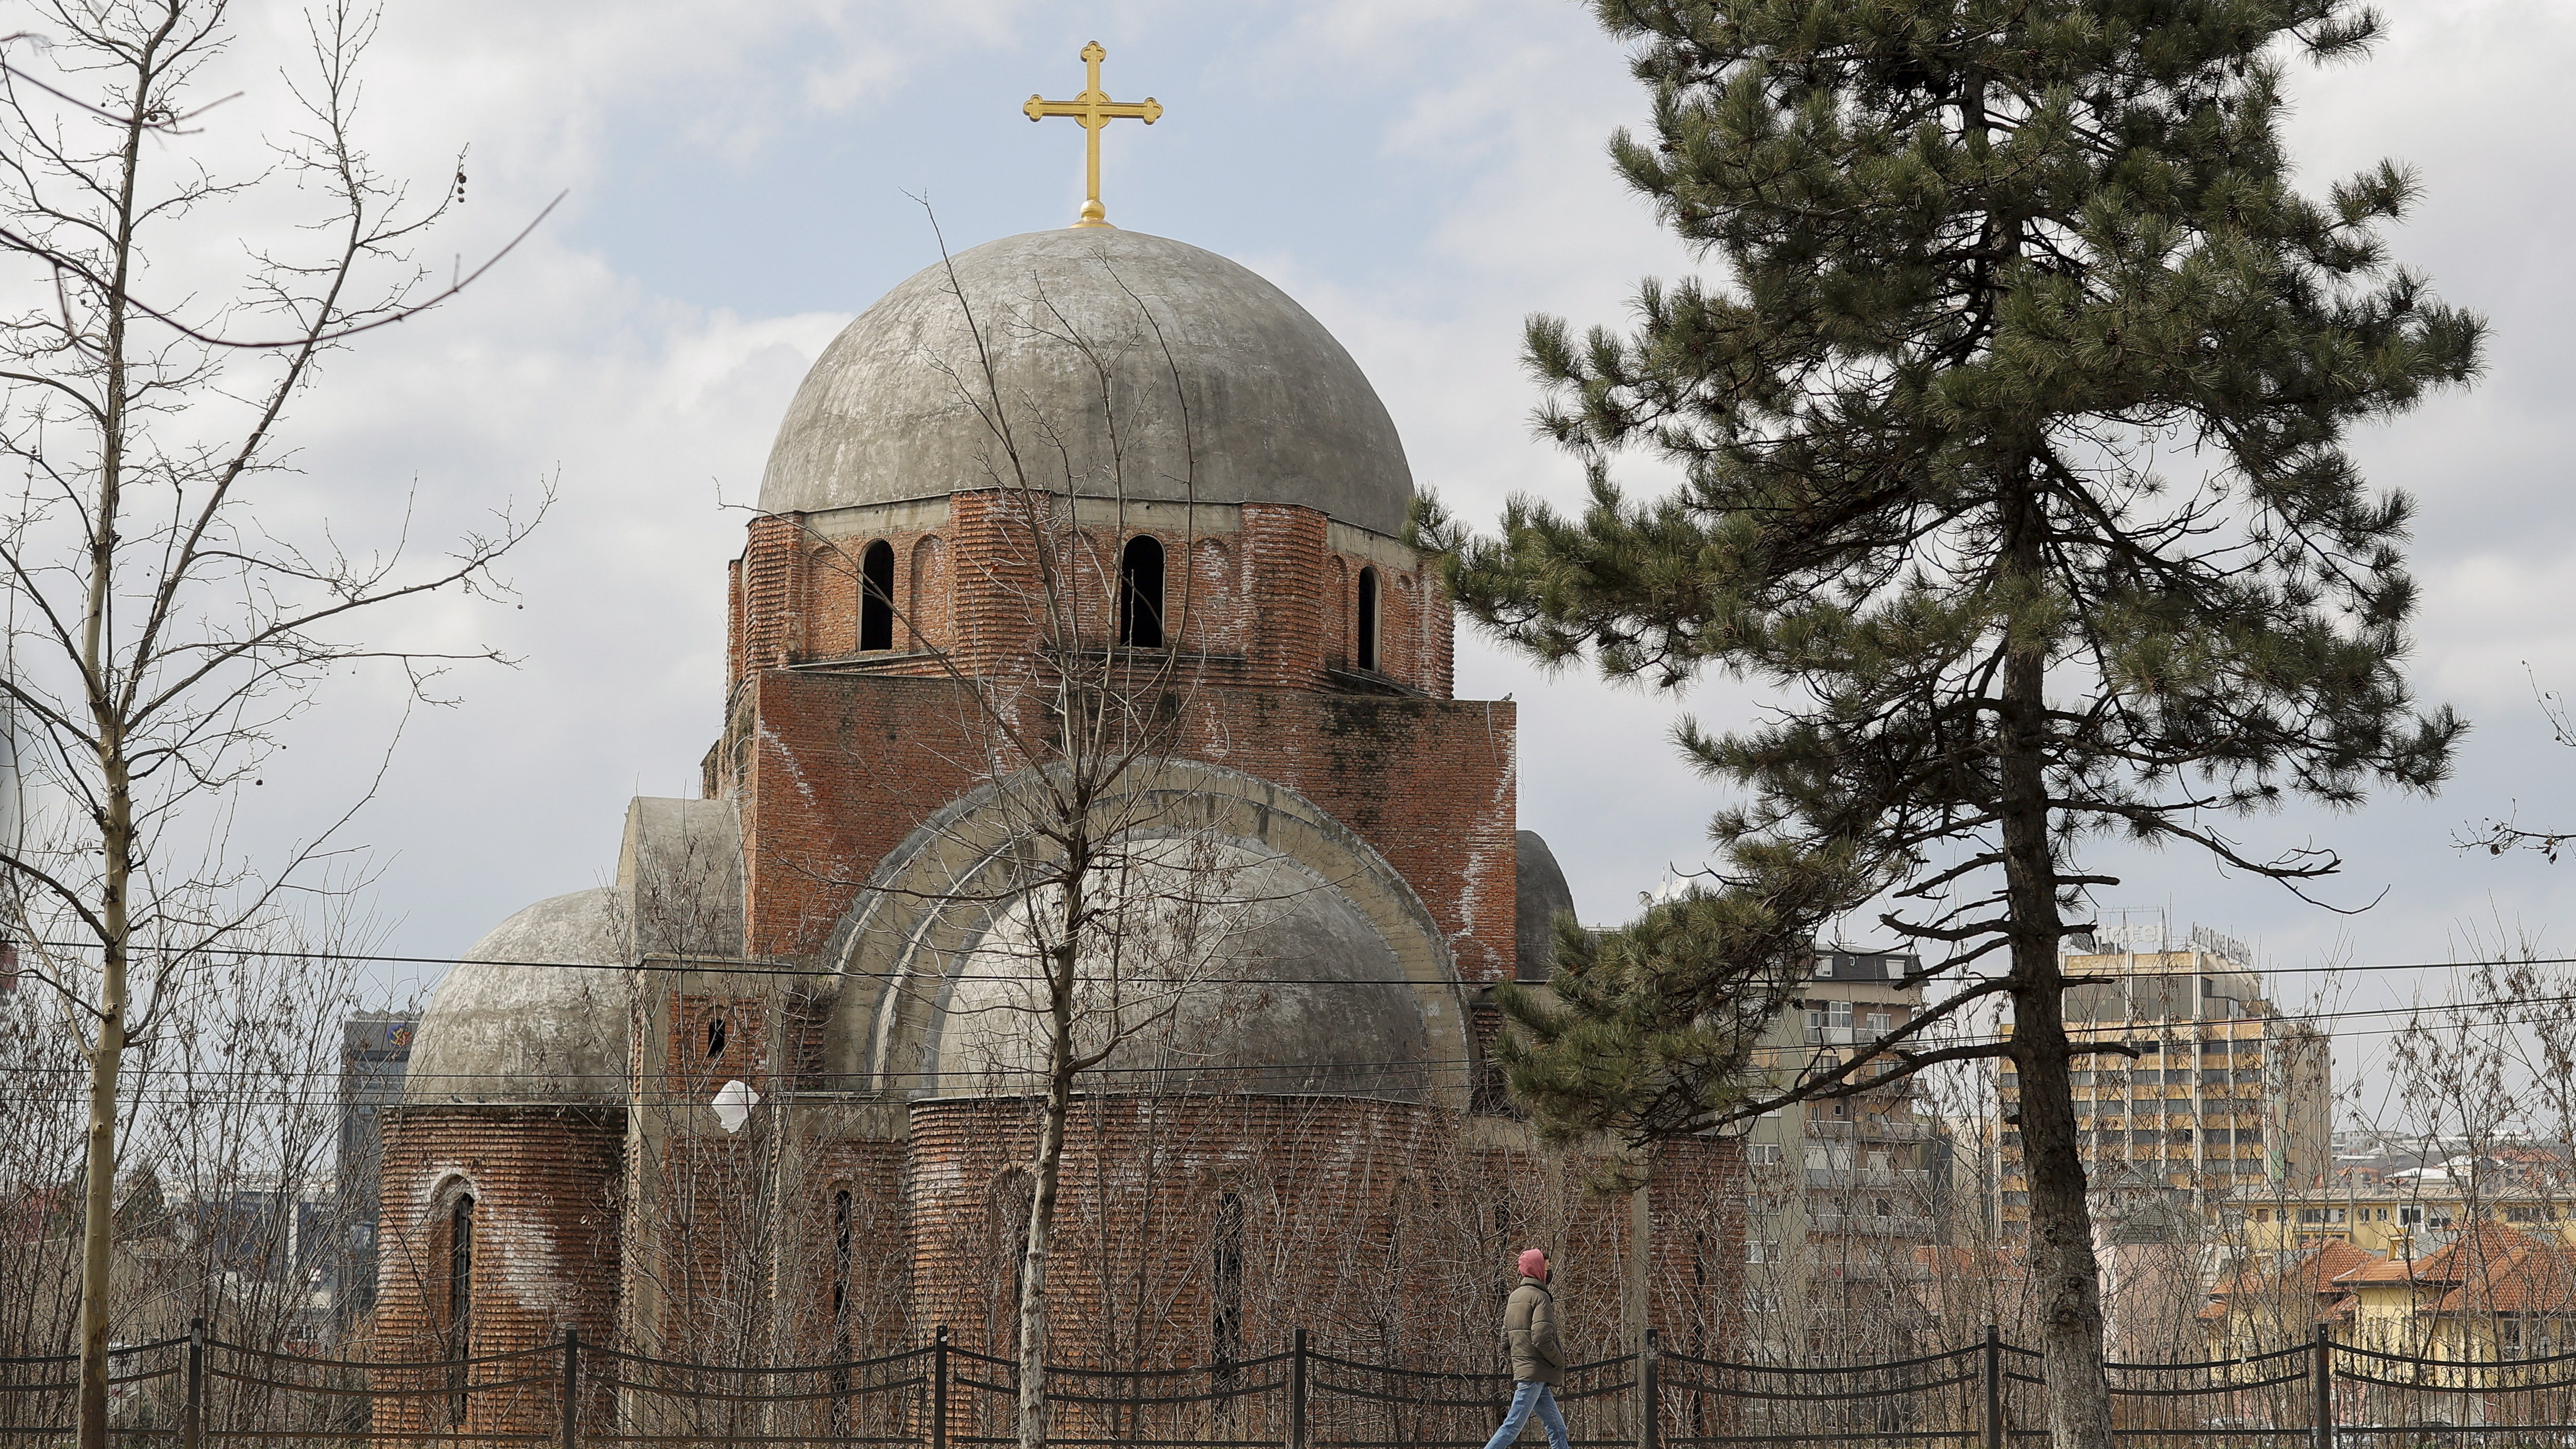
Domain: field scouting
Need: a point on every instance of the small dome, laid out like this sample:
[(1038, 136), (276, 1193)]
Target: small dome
[(1541, 896), (898, 406), (1241, 970), (503, 1032)]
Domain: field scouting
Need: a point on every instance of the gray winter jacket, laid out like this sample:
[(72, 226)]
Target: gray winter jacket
[(1529, 1326)]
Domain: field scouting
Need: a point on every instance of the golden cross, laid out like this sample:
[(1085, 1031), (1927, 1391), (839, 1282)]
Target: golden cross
[(1094, 109)]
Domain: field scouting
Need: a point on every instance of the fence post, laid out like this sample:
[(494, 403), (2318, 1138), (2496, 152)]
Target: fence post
[(2321, 1433), (192, 1410), (571, 1388), (1297, 1393), (1994, 1377), (1647, 1396), (939, 1389)]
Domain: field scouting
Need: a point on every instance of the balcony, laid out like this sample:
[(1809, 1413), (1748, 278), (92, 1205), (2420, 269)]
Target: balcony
[(1872, 1127), (1870, 1225), (1843, 1179)]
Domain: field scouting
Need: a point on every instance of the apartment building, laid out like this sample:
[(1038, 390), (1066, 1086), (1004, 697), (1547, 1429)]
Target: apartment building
[(2411, 1199), (2226, 1096), (1842, 1192)]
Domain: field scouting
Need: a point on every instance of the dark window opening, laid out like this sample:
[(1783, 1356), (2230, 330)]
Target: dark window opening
[(460, 1301), (841, 1225), (1140, 593), (715, 1038), (1368, 618), (1226, 1275), (876, 597)]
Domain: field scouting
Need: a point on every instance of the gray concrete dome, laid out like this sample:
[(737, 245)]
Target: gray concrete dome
[(502, 1032), (1250, 973), (898, 406)]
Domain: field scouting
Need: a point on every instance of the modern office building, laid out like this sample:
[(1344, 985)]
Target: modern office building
[(2226, 1094)]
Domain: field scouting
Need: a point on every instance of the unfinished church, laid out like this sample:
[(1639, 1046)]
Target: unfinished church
[(1086, 449)]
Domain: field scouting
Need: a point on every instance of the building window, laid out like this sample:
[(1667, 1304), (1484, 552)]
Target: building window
[(1762, 1154), (715, 1038), (1368, 618), (1880, 1023), (842, 1216), (1140, 593), (1225, 1269), (876, 597), (841, 1247), (460, 1300)]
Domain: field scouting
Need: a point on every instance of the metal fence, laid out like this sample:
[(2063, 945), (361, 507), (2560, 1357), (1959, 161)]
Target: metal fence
[(198, 1391)]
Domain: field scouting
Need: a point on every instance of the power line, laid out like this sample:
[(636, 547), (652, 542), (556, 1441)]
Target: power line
[(744, 966)]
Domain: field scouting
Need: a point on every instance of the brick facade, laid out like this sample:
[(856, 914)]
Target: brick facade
[(851, 1215), (544, 1254)]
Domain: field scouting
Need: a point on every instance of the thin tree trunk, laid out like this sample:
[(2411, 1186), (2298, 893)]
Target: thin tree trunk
[(1048, 1169), (2064, 1276), (107, 714)]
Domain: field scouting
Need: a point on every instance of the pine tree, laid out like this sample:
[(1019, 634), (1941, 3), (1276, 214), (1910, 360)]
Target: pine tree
[(2013, 455)]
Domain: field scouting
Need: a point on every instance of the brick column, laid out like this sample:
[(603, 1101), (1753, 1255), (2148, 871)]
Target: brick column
[(771, 584), (1438, 672), (993, 584), (1284, 568)]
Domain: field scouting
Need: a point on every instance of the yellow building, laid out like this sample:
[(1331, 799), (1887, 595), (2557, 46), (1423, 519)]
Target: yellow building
[(2226, 1093), (2489, 1293), (2398, 1218)]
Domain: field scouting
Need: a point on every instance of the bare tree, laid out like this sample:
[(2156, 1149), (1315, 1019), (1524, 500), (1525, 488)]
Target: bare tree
[(1115, 924), (161, 628)]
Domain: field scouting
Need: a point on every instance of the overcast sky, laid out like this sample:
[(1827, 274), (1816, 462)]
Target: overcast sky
[(742, 180)]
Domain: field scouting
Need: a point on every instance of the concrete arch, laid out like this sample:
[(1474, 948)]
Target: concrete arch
[(912, 940)]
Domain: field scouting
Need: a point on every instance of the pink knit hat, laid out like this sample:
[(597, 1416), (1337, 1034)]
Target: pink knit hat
[(1533, 1264)]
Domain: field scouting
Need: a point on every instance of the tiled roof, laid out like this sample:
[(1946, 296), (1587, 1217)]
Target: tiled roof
[(2317, 1272), (2489, 1268)]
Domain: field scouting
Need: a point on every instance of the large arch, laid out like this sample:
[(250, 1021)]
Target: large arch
[(1362, 943)]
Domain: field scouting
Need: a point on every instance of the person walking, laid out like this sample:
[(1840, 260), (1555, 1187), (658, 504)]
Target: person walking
[(1538, 1356)]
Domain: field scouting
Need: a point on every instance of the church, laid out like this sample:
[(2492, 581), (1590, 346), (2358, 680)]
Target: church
[(1069, 497)]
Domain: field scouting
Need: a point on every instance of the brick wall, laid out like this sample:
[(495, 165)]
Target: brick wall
[(1387, 1230), (844, 766), (1273, 596), (545, 1252)]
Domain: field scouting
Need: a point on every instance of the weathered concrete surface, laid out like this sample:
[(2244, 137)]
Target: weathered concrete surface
[(899, 406), (511, 1024), (1257, 975), (1302, 961), (499, 1032), (1543, 896)]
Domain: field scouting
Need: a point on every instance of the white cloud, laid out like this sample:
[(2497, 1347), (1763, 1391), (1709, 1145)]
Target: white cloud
[(1471, 136)]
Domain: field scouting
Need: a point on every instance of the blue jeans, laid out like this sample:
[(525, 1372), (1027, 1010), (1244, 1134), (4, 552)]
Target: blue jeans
[(1526, 1396)]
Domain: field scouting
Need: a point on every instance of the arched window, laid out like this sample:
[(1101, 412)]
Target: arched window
[(1368, 618), (876, 596), (1225, 1274), (844, 1219), (460, 1300), (1140, 593)]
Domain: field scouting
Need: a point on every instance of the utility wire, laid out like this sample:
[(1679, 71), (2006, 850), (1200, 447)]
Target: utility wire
[(739, 966)]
